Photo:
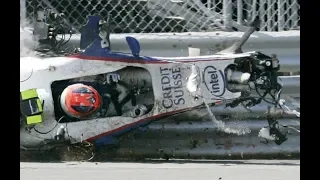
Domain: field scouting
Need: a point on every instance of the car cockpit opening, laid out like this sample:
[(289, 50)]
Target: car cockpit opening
[(127, 92)]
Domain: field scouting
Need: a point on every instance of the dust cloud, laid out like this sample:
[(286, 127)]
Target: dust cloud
[(28, 42)]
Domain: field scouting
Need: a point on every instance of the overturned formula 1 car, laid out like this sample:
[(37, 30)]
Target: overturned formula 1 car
[(95, 95)]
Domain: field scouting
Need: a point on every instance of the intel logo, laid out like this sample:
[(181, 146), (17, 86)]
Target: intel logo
[(214, 81)]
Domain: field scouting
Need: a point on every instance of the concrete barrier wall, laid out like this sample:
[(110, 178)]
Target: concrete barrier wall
[(286, 45)]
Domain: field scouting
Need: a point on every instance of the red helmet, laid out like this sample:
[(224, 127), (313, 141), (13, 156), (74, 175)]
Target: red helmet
[(79, 100)]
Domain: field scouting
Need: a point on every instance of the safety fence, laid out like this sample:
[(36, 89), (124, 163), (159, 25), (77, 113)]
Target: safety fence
[(145, 16)]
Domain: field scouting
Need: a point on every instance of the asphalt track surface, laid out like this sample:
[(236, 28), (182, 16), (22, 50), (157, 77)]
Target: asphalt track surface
[(155, 170)]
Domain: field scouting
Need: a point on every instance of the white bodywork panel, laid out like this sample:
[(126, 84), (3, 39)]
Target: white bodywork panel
[(168, 80)]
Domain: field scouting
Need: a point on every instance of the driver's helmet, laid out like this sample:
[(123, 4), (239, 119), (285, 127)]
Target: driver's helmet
[(80, 101)]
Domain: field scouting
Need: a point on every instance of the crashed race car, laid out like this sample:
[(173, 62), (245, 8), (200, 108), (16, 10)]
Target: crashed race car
[(95, 95)]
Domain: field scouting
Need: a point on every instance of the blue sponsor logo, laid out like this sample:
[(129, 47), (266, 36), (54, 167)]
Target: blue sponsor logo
[(215, 81)]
